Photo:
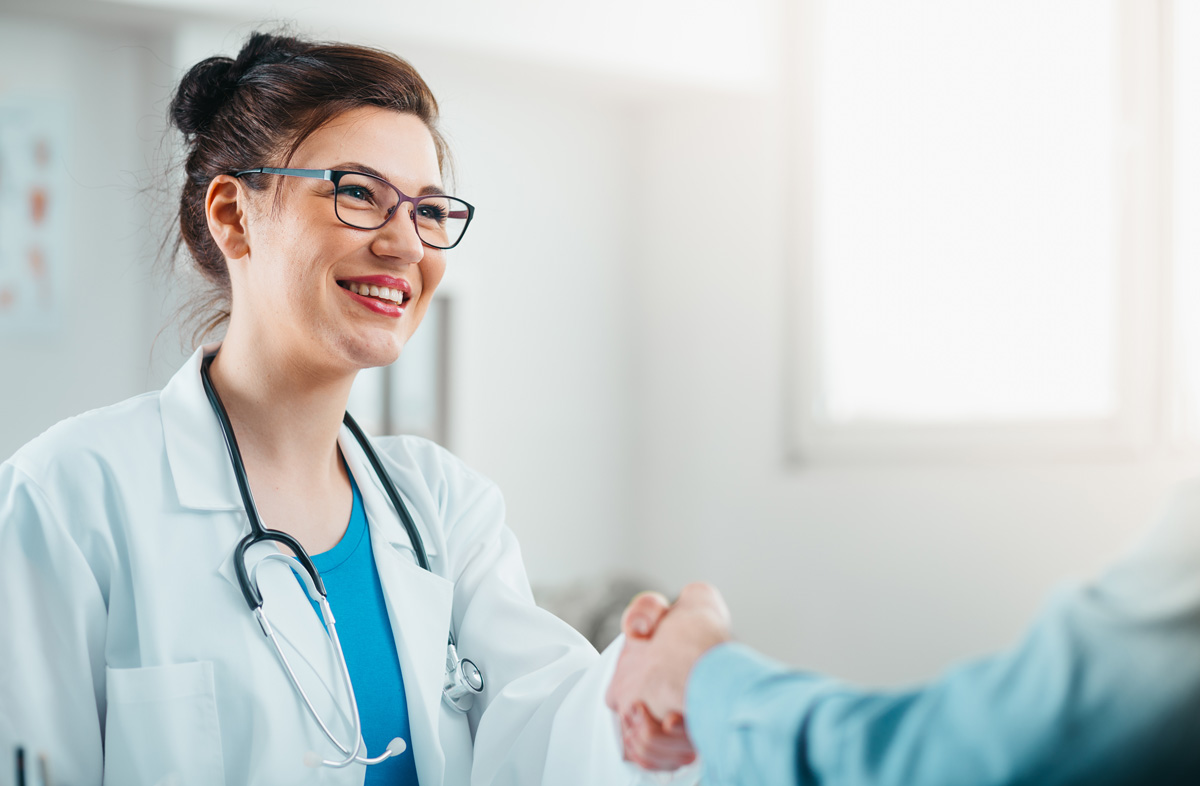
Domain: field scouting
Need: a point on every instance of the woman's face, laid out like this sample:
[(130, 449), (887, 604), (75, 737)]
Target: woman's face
[(293, 285)]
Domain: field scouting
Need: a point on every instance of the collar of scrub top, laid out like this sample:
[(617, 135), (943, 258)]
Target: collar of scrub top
[(204, 481)]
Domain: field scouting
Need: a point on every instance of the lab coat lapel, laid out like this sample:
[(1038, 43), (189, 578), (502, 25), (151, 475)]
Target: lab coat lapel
[(419, 609), (419, 604), (196, 452)]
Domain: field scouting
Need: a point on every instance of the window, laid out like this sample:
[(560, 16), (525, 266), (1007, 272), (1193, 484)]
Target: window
[(983, 244)]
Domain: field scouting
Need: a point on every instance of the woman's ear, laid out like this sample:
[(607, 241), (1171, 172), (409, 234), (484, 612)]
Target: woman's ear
[(225, 208)]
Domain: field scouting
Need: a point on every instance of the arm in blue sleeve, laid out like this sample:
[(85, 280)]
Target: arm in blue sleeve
[(746, 716), (1104, 689)]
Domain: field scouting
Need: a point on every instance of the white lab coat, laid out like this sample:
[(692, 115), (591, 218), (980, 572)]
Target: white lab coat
[(126, 647)]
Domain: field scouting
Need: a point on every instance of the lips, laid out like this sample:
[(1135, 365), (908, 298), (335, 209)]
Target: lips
[(384, 295)]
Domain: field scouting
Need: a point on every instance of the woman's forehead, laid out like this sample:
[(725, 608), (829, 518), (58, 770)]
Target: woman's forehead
[(396, 144)]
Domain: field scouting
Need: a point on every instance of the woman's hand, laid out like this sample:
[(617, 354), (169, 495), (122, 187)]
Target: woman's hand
[(648, 689), (655, 745)]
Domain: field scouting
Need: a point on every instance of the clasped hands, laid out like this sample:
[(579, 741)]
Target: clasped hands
[(648, 690)]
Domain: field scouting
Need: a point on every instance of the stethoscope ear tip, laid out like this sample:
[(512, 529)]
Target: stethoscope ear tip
[(312, 759), (397, 746)]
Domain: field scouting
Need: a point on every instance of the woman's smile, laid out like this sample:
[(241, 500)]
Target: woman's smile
[(384, 295)]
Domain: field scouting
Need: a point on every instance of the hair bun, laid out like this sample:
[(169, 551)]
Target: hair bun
[(202, 92), (212, 82)]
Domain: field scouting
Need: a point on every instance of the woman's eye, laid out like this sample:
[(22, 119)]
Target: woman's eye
[(432, 213), (361, 193)]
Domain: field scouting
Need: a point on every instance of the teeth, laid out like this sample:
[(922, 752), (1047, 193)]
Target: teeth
[(383, 293)]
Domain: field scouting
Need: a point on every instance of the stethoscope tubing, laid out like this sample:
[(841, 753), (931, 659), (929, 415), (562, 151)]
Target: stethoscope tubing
[(257, 532), (406, 518)]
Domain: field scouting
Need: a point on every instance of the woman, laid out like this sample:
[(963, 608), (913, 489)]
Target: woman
[(314, 205)]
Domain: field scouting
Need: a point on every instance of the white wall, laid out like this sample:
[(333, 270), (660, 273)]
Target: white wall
[(678, 41), (542, 385), (100, 353)]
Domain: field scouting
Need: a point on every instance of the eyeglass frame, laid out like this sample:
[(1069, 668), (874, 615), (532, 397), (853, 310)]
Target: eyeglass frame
[(335, 176)]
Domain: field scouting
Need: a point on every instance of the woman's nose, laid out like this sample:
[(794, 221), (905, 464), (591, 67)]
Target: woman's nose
[(398, 237)]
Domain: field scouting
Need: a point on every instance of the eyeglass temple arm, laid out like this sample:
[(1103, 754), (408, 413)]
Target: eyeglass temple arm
[(320, 174)]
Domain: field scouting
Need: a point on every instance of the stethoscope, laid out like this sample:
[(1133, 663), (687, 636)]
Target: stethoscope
[(463, 678)]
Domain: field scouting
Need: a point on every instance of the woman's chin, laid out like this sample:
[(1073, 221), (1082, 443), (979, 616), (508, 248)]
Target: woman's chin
[(381, 351)]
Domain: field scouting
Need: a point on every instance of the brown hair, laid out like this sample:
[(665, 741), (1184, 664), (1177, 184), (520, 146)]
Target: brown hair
[(256, 110)]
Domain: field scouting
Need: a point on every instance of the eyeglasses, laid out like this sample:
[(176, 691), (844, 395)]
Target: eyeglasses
[(368, 202)]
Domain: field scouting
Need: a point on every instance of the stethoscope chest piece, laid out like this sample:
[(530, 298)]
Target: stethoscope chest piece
[(463, 680)]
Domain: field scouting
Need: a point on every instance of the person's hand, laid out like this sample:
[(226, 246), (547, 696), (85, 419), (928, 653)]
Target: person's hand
[(653, 744), (649, 742), (662, 644), (648, 689)]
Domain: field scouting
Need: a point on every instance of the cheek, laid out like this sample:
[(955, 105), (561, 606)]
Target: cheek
[(299, 271), (432, 270), (294, 282)]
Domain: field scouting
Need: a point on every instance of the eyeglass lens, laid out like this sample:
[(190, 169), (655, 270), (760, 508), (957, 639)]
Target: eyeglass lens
[(365, 202)]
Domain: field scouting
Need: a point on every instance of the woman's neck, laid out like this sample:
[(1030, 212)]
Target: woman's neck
[(286, 415)]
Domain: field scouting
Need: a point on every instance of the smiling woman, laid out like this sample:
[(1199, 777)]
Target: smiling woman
[(299, 210)]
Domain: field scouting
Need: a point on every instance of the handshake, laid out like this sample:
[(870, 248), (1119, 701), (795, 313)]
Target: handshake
[(648, 690)]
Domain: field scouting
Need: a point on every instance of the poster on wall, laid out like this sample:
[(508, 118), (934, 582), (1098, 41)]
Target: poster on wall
[(33, 217)]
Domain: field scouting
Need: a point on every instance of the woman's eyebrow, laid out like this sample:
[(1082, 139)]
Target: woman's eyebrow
[(369, 170)]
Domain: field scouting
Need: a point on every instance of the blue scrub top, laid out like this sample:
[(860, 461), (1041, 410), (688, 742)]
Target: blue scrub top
[(356, 598)]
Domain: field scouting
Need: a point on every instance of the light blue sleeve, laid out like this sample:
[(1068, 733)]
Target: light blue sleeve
[(1104, 689)]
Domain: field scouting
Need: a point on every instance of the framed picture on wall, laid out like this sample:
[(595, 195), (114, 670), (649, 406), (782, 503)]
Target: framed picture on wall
[(34, 223), (410, 396)]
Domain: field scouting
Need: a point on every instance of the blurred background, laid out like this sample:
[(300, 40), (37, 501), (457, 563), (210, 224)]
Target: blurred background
[(878, 314)]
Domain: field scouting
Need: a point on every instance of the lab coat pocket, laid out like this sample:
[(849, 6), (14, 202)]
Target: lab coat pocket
[(161, 726)]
